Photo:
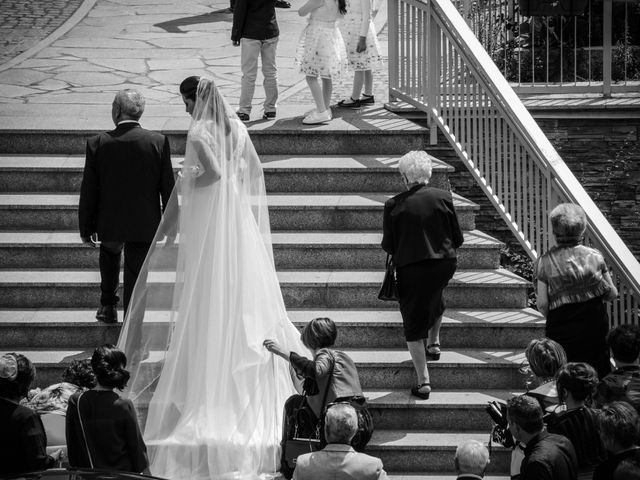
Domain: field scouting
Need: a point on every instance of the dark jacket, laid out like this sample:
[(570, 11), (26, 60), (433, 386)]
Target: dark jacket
[(127, 174), (606, 469), (343, 381), (23, 442), (255, 19), (111, 429), (421, 224), (549, 457), (623, 384)]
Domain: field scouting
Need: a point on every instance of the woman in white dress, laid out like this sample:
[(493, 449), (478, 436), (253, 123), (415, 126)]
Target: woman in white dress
[(202, 308)]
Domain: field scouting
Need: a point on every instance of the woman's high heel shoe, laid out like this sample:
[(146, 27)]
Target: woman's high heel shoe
[(435, 355), (415, 391)]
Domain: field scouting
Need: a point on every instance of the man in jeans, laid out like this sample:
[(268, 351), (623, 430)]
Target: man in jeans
[(255, 29)]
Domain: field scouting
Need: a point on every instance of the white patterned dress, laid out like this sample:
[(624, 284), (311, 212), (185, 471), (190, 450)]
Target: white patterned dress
[(321, 51), (356, 23)]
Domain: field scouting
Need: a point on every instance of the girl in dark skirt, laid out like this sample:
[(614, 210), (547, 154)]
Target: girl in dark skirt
[(421, 233), (573, 283)]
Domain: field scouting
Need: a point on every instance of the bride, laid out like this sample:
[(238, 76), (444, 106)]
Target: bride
[(202, 308)]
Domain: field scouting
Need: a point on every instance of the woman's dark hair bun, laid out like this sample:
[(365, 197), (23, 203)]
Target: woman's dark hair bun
[(108, 364), (189, 87)]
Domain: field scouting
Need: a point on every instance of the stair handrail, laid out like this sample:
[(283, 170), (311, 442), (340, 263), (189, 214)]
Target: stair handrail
[(438, 65)]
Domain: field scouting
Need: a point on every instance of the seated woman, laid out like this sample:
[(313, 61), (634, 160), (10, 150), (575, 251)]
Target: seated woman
[(51, 402), (102, 428), (23, 440), (330, 377), (576, 384)]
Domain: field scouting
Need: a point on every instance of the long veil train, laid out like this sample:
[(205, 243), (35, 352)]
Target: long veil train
[(201, 308)]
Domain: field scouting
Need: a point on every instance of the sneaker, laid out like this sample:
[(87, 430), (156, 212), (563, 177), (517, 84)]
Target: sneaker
[(366, 99), (243, 116), (318, 117), (309, 112), (269, 115), (349, 103)]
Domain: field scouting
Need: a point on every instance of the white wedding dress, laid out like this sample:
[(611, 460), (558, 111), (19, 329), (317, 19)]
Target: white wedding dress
[(201, 310)]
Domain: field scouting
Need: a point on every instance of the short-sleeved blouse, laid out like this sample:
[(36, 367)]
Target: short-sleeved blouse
[(573, 274)]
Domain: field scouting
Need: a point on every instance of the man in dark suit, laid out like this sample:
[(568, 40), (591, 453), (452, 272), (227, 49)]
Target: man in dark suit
[(126, 185), (471, 460)]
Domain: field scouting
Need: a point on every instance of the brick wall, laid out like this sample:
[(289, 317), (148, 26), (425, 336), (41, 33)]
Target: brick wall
[(604, 154)]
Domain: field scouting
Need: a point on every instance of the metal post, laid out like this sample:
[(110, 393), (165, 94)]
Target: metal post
[(607, 13)]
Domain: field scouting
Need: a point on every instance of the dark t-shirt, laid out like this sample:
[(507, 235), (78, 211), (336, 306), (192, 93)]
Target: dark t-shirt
[(112, 432), (549, 457)]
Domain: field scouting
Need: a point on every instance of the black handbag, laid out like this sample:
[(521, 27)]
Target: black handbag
[(389, 289)]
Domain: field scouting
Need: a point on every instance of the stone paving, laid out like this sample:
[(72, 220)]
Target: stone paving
[(152, 45), (24, 23)]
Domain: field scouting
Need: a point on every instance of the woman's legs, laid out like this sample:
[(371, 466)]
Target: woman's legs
[(358, 82), (317, 92), (327, 89), (419, 359), (368, 83)]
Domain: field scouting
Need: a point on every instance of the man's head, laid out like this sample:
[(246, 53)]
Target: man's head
[(128, 105), (619, 426), (471, 457), (624, 342), (525, 417), (340, 423)]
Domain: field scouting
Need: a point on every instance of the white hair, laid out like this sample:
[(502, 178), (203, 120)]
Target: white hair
[(340, 423), (131, 103), (416, 166), (471, 457)]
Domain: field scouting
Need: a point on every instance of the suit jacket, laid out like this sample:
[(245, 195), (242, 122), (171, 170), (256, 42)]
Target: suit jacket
[(420, 224), (338, 462), (255, 19), (127, 174)]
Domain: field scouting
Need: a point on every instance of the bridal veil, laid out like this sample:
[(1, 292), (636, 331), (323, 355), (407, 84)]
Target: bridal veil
[(208, 394)]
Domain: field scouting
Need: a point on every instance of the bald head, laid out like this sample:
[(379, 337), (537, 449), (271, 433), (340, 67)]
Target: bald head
[(471, 457), (128, 105)]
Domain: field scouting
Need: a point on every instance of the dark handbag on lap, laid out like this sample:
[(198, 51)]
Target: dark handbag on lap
[(389, 288)]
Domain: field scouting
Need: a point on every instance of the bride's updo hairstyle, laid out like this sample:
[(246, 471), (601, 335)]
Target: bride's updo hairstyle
[(108, 364), (319, 333), (189, 87)]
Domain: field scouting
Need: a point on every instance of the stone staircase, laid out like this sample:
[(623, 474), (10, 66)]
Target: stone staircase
[(326, 190)]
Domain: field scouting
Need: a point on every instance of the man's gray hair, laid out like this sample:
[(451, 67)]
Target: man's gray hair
[(131, 103), (340, 423), (471, 457), (416, 166)]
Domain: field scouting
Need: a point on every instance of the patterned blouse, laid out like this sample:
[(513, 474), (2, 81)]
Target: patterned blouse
[(573, 274)]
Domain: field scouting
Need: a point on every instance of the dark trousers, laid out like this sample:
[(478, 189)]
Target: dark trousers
[(110, 260)]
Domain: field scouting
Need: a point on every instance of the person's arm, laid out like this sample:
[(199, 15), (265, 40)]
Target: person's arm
[(364, 25), (133, 438), (309, 7), (542, 298), (387, 230), (89, 194), (612, 294), (167, 180), (316, 368), (210, 171), (239, 18), (33, 443)]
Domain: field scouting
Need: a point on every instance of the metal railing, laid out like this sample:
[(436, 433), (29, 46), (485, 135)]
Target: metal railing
[(567, 46), (437, 64)]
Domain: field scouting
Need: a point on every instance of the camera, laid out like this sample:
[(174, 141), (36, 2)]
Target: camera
[(500, 432)]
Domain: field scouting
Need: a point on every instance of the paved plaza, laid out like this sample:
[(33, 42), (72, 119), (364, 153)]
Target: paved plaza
[(102, 46)]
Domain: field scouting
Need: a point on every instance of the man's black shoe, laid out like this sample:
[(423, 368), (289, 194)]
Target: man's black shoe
[(107, 314), (282, 4)]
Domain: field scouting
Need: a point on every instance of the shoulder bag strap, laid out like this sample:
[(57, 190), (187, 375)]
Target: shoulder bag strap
[(84, 435)]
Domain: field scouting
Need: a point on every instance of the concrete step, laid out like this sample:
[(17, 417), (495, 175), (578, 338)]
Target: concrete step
[(286, 212), (387, 369), (357, 328), (292, 250), (300, 289), (283, 173), (425, 451)]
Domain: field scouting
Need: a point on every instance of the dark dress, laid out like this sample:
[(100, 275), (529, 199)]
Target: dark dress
[(23, 442), (577, 317), (421, 232), (112, 431)]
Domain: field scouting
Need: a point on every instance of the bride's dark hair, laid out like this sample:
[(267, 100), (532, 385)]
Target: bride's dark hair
[(189, 87)]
